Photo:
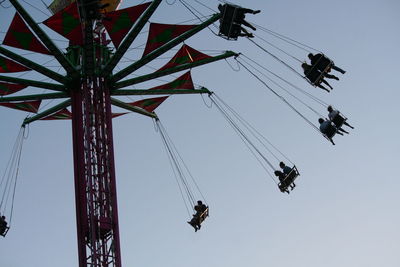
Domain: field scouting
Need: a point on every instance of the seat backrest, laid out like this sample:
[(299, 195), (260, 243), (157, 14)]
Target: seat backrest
[(314, 76), (331, 131), (5, 231), (292, 175), (203, 215), (229, 28), (324, 63), (338, 120)]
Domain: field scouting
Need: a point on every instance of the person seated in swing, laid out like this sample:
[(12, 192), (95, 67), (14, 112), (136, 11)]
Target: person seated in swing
[(328, 128), (240, 18), (3, 225), (320, 61), (197, 219), (244, 33), (315, 76), (236, 21), (335, 117), (283, 186), (287, 170), (321, 67), (338, 123)]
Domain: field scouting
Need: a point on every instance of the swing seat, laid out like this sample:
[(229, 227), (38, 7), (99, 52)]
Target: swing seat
[(318, 70), (3, 232), (331, 131), (229, 27), (324, 64), (314, 76), (203, 215), (289, 179), (197, 220), (339, 120)]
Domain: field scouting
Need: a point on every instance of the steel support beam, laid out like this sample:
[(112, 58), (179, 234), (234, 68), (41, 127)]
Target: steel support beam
[(50, 86), (47, 112), (161, 50), (110, 65), (37, 67), (160, 92), (33, 97), (44, 38), (78, 144), (158, 74), (123, 105)]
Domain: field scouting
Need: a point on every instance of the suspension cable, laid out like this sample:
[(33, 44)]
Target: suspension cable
[(189, 7), (184, 164), (276, 47), (10, 177), (316, 99), (16, 175), (254, 131), (280, 97), (288, 39), (240, 131), (179, 166), (200, 3), (9, 171), (288, 92), (246, 124), (250, 145), (174, 165), (275, 57)]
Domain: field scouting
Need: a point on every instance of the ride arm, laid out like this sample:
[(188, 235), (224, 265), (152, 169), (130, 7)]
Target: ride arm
[(44, 38), (50, 86), (119, 53), (161, 50), (32, 65), (158, 74), (47, 112), (126, 106), (202, 90), (33, 97)]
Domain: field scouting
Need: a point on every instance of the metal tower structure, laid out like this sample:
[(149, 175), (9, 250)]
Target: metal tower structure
[(88, 88)]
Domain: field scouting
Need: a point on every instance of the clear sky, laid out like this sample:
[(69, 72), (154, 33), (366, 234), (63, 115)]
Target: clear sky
[(344, 210)]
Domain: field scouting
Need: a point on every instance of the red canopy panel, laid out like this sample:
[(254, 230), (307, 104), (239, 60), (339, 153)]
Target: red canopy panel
[(20, 36), (183, 82), (67, 23), (10, 88), (149, 104), (185, 55), (160, 34), (30, 106), (7, 65), (114, 115), (118, 23)]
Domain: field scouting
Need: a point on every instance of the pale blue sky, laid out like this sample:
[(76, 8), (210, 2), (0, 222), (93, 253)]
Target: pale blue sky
[(344, 210)]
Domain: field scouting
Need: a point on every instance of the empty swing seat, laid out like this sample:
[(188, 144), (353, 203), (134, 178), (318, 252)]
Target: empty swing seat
[(289, 179)]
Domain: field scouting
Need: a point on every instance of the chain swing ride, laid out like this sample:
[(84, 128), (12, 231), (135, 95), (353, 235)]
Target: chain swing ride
[(99, 36)]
